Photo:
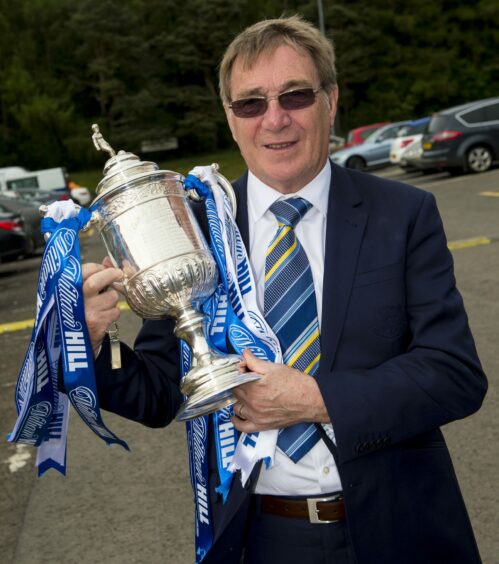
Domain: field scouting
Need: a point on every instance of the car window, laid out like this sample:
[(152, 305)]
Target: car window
[(404, 131), (437, 123), (388, 133), (365, 134), (473, 116), (492, 112), (21, 183), (421, 128)]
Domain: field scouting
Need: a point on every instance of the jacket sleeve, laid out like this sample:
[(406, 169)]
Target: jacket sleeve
[(146, 388), (435, 380)]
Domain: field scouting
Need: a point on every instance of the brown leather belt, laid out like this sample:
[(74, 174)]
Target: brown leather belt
[(316, 509)]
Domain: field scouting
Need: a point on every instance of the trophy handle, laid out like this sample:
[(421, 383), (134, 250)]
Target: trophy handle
[(226, 187), (224, 184), (95, 218)]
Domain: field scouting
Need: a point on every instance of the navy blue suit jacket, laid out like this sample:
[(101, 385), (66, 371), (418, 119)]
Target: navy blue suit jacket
[(398, 362)]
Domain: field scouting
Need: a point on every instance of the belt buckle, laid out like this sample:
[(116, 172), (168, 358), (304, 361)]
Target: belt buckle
[(313, 511)]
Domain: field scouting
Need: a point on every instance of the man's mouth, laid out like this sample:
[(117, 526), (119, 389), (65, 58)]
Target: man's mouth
[(280, 146)]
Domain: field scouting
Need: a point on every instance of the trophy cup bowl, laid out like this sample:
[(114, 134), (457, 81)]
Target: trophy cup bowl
[(151, 234)]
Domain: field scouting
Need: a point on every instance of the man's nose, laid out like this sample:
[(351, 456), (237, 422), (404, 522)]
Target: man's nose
[(275, 117)]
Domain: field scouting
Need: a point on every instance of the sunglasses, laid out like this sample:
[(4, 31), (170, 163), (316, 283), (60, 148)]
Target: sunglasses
[(256, 106)]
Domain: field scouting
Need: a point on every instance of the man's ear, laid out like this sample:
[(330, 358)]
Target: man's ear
[(230, 120)]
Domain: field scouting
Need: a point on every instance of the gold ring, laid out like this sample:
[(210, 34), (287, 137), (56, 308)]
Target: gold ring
[(240, 412)]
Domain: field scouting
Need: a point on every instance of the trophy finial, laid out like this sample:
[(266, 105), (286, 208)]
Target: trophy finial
[(100, 143)]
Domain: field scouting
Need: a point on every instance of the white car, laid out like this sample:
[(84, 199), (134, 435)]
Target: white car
[(409, 134), (411, 155)]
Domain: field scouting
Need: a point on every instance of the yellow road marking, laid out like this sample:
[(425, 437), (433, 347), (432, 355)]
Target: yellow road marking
[(28, 323), (466, 243), (16, 326), (123, 306), (490, 193)]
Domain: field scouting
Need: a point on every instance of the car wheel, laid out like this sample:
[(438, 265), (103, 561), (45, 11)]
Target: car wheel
[(357, 163), (479, 158)]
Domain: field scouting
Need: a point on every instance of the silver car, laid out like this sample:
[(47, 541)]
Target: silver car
[(373, 153)]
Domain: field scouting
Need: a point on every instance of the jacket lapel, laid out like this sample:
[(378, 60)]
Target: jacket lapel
[(346, 221)]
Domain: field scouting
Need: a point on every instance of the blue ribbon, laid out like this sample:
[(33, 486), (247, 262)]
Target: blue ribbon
[(59, 328), (225, 330)]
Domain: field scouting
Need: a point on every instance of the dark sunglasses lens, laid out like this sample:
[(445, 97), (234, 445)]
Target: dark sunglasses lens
[(297, 99), (250, 107)]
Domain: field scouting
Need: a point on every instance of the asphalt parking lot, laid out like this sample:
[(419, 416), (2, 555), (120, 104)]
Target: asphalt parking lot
[(136, 507)]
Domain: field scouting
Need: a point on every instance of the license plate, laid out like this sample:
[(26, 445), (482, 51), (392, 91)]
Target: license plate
[(427, 146)]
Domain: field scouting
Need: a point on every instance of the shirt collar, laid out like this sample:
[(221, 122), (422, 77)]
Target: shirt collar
[(261, 196)]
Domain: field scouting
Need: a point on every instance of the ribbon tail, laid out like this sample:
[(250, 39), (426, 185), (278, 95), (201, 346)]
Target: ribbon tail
[(250, 449), (51, 463)]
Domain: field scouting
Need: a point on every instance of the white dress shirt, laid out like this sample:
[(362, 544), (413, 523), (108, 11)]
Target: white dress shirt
[(316, 472)]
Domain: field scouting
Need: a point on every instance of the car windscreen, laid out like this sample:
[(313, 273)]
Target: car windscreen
[(371, 137), (365, 134)]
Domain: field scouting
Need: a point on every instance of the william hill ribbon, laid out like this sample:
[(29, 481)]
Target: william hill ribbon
[(59, 337)]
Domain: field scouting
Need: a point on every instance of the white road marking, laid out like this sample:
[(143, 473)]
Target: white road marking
[(20, 458)]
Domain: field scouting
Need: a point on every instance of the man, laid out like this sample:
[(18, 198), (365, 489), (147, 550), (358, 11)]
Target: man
[(397, 360)]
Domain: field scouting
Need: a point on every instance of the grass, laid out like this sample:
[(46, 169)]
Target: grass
[(231, 166)]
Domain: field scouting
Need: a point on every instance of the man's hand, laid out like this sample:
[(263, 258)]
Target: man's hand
[(282, 397), (100, 300)]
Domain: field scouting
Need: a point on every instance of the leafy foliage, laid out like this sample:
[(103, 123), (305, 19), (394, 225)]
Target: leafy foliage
[(147, 69)]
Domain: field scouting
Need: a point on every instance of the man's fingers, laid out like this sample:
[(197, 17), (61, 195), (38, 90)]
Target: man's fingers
[(254, 364), (100, 280), (105, 300), (106, 261), (89, 269)]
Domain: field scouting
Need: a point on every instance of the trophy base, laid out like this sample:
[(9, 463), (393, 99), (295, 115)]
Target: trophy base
[(213, 388)]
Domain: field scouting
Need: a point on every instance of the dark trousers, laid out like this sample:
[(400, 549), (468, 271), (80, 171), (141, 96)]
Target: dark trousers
[(283, 540)]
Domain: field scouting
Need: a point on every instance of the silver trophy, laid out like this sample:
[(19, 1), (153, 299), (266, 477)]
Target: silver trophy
[(151, 234)]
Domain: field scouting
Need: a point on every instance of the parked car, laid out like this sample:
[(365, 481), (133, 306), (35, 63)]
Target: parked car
[(335, 143), (53, 182), (358, 135), (464, 138), (37, 197), (411, 156), (373, 153), (407, 135), (13, 240), (31, 219)]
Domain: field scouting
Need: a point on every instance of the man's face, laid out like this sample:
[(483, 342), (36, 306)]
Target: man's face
[(285, 149)]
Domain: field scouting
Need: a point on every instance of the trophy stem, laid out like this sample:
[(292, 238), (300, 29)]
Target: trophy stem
[(209, 383), (190, 328)]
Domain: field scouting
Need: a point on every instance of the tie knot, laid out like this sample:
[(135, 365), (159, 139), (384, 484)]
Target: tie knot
[(290, 211)]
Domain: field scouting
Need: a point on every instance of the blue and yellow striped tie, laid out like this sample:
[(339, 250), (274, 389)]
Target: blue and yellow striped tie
[(291, 310)]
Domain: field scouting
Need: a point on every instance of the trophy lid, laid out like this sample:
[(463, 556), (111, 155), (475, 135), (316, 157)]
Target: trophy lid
[(123, 167)]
